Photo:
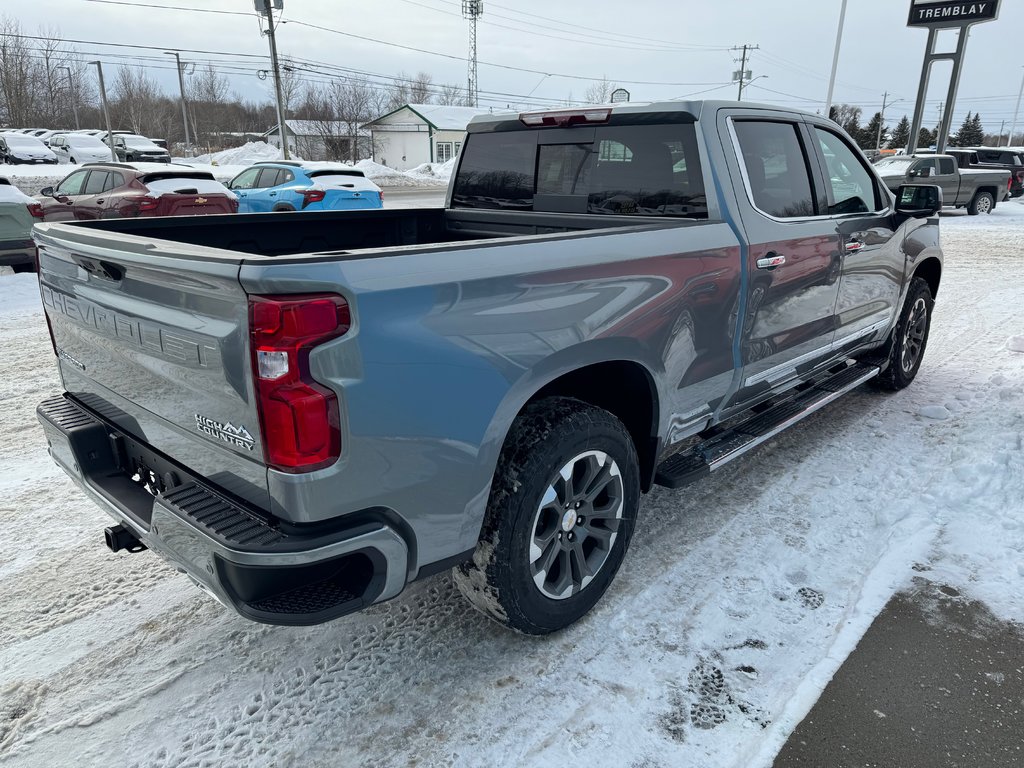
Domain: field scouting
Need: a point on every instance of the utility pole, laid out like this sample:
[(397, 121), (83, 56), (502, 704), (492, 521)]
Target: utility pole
[(1016, 113), (106, 110), (184, 110), (835, 61), (74, 96), (472, 10), (743, 75), (267, 7), (881, 122)]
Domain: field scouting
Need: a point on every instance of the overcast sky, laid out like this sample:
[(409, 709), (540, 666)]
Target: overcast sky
[(655, 48)]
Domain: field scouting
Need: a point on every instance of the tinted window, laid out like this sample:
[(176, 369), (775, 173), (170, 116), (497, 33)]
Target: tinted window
[(852, 185), (923, 167), (622, 170), (72, 185), (95, 183), (246, 179), (946, 166), (268, 178), (114, 180), (497, 171), (283, 177), (776, 168)]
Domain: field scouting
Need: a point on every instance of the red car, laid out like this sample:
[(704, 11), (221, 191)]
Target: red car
[(118, 190)]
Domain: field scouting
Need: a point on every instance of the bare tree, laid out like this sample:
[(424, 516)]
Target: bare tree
[(453, 95), (599, 91), (136, 98)]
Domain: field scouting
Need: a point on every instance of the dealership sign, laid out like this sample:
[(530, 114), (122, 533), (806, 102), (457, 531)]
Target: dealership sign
[(951, 13)]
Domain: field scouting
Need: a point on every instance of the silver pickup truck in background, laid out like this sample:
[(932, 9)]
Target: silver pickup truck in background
[(305, 412), (974, 189)]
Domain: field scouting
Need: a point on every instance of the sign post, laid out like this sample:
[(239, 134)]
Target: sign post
[(944, 14)]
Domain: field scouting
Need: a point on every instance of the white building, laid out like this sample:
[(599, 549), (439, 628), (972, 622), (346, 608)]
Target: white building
[(420, 133), (322, 140)]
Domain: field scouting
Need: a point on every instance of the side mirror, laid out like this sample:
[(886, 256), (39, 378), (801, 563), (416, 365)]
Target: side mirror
[(46, 192), (918, 201)]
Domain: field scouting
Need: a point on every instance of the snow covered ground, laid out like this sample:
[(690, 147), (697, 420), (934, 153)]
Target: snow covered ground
[(739, 599), (227, 164)]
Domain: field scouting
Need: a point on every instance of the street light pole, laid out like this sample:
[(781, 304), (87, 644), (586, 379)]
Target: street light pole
[(835, 60), (184, 110), (881, 122), (74, 99), (267, 7), (1016, 112), (106, 110)]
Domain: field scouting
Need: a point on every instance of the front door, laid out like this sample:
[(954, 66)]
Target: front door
[(793, 261), (61, 206), (872, 255)]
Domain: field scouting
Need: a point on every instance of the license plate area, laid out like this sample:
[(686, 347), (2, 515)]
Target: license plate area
[(144, 467)]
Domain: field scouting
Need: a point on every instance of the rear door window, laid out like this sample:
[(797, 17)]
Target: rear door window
[(114, 180), (946, 166), (96, 182), (268, 178), (776, 168)]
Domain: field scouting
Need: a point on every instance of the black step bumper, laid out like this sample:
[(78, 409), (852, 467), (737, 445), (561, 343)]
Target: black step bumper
[(264, 570)]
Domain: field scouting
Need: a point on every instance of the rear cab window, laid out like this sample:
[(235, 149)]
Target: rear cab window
[(643, 170)]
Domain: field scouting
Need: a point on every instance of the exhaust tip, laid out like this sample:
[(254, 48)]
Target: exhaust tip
[(118, 537)]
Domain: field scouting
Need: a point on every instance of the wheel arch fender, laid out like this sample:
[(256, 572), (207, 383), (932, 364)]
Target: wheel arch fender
[(565, 373)]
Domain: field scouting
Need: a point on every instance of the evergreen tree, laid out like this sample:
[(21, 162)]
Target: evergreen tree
[(977, 131), (900, 134), (869, 136), (926, 138)]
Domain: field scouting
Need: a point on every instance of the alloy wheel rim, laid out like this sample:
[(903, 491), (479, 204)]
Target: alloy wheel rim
[(914, 335), (984, 205), (576, 525)]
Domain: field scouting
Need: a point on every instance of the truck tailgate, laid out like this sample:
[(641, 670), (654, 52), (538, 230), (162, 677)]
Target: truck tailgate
[(155, 339)]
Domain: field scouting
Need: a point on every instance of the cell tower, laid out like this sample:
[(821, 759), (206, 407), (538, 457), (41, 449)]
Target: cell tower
[(473, 9)]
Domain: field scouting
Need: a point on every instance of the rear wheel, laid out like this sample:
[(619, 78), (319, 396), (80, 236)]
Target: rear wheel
[(910, 337), (73, 161), (283, 208), (561, 512), (983, 202)]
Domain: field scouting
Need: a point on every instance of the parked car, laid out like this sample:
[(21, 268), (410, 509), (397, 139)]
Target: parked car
[(78, 148), (18, 212), (306, 413), (115, 190), (976, 190), (22, 149), (132, 148), (296, 186)]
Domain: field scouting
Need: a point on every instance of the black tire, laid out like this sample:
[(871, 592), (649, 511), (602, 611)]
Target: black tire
[(983, 202), (283, 208), (504, 580), (909, 338), (73, 161)]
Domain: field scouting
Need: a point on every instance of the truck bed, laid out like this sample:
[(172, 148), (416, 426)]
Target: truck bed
[(343, 234)]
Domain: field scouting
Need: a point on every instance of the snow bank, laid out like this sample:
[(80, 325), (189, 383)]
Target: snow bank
[(389, 177), (430, 173), (247, 154)]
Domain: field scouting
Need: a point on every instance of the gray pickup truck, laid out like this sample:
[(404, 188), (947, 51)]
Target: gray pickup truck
[(974, 189), (306, 412)]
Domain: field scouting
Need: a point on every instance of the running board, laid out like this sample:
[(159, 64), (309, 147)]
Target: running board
[(723, 446)]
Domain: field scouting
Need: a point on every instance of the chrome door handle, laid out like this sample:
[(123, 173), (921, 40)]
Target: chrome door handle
[(771, 261)]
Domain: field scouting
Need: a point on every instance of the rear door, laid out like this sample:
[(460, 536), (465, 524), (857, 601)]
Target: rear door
[(948, 179), (793, 262), (90, 203), (260, 199), (154, 337)]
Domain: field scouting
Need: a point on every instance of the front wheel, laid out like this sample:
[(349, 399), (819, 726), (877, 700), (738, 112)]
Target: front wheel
[(983, 202), (560, 516), (910, 337)]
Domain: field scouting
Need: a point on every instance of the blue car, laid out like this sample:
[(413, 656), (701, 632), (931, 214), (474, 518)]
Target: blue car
[(295, 186)]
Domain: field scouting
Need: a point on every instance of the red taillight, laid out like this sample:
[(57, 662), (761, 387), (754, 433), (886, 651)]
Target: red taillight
[(312, 196), (565, 117), (36, 210), (299, 418), (142, 203)]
